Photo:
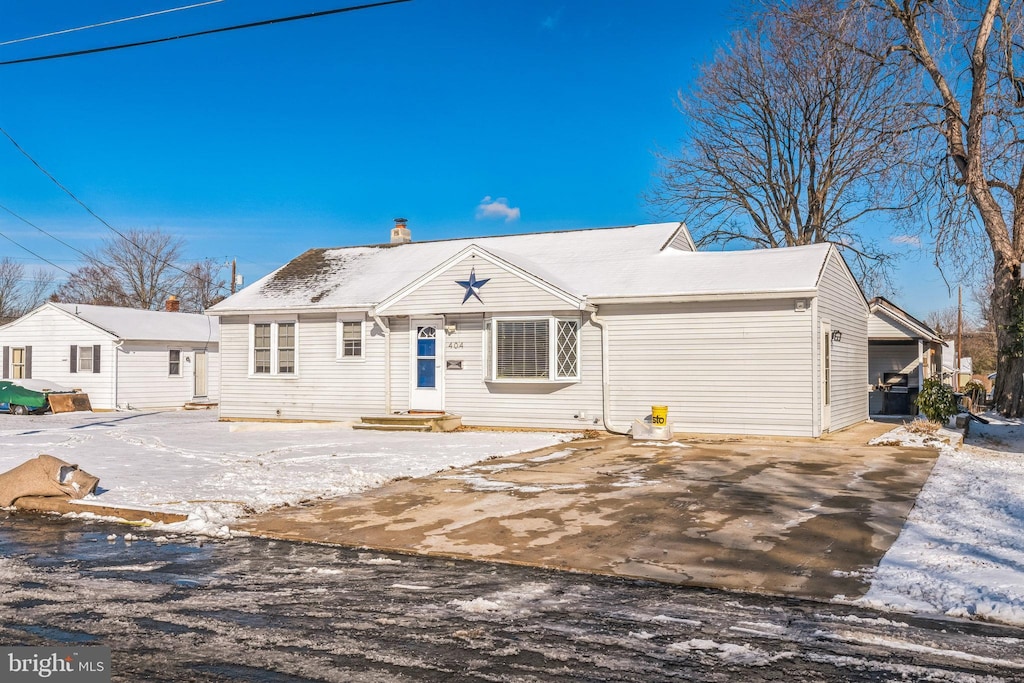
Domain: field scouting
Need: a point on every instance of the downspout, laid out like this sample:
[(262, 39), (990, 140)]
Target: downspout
[(117, 347), (387, 360), (606, 397)]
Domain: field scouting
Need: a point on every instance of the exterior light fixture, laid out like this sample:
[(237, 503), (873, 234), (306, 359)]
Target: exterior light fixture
[(837, 336)]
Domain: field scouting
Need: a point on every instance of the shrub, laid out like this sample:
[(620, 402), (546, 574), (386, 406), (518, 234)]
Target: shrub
[(937, 401), (975, 390)]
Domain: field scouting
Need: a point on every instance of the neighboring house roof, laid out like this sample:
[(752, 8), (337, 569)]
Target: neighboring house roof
[(138, 325), (917, 329), (601, 264)]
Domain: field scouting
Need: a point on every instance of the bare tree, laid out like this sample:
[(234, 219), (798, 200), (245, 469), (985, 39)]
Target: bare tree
[(203, 286), (791, 140), (969, 56), (137, 270), (20, 290)]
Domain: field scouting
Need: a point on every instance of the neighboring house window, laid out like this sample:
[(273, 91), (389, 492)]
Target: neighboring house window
[(351, 338), (274, 348), (174, 362), (18, 364), (82, 359), (532, 349), (85, 359)]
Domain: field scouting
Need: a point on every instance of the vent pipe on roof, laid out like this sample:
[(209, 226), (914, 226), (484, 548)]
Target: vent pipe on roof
[(400, 233), (172, 305)]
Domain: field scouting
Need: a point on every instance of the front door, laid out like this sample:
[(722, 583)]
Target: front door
[(826, 377), (199, 388), (427, 392)]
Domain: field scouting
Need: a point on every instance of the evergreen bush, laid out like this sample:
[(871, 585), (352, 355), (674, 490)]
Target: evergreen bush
[(937, 401)]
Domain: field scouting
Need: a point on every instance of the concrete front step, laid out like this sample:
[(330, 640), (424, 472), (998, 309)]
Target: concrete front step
[(391, 428), (426, 422)]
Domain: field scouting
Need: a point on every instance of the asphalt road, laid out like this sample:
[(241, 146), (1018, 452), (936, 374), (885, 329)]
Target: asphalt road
[(265, 611)]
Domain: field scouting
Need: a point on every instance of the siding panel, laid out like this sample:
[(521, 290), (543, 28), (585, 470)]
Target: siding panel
[(841, 304)]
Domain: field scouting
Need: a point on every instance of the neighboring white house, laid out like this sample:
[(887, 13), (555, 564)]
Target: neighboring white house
[(902, 353), (553, 330), (121, 357)]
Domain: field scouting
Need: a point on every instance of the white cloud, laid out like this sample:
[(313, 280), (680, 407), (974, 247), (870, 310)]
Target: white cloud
[(551, 21), (496, 208), (908, 240)]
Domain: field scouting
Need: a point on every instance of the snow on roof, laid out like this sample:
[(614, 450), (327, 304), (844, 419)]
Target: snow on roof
[(625, 262), (139, 325)]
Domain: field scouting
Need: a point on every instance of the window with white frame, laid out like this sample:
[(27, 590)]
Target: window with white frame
[(273, 347), (174, 362), (286, 348), (350, 339), (532, 349), (85, 359), (18, 363)]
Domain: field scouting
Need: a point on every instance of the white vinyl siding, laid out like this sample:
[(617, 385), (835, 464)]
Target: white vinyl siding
[(323, 388), (144, 382), (504, 292), (842, 306), (139, 370), (737, 367)]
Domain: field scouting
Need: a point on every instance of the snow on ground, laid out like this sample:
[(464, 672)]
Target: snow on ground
[(187, 461), (961, 551)]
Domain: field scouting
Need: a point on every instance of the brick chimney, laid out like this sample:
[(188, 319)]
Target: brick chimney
[(400, 233), (172, 305)]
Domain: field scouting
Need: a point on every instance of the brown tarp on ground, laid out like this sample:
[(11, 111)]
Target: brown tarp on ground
[(45, 475)]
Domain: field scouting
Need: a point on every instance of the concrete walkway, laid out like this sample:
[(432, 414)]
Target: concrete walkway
[(783, 516)]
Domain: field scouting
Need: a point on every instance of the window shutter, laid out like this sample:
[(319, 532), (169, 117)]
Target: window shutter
[(96, 358), (7, 362), (74, 358), (28, 362)]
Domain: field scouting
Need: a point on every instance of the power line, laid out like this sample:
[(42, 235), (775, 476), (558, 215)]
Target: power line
[(97, 216), (108, 23), (41, 258), (53, 237), (254, 24)]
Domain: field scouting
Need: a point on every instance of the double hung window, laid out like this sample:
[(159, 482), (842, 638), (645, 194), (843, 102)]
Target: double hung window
[(273, 347)]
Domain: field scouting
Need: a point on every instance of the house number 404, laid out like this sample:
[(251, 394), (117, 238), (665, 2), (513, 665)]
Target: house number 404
[(454, 345)]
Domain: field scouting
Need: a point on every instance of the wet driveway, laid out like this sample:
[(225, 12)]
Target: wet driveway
[(781, 516)]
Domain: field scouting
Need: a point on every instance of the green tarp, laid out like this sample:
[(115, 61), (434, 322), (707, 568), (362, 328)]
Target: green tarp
[(18, 395)]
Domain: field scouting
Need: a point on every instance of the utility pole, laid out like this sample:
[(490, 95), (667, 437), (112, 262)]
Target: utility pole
[(233, 278), (959, 332)]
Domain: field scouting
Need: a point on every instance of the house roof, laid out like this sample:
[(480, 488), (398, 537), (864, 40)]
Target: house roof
[(892, 311), (139, 325), (634, 262)]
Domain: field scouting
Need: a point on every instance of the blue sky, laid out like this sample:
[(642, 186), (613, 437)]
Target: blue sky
[(467, 117)]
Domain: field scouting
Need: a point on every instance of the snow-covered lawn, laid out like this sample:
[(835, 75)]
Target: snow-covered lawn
[(961, 552), (217, 472)]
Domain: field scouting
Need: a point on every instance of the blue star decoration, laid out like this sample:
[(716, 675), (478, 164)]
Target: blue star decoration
[(472, 286)]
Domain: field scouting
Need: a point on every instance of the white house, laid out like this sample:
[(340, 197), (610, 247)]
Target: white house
[(121, 357), (553, 330), (902, 353)]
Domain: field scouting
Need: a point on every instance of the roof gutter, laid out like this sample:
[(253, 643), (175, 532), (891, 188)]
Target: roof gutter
[(688, 298), (606, 398)]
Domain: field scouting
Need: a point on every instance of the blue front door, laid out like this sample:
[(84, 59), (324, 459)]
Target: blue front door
[(427, 391)]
